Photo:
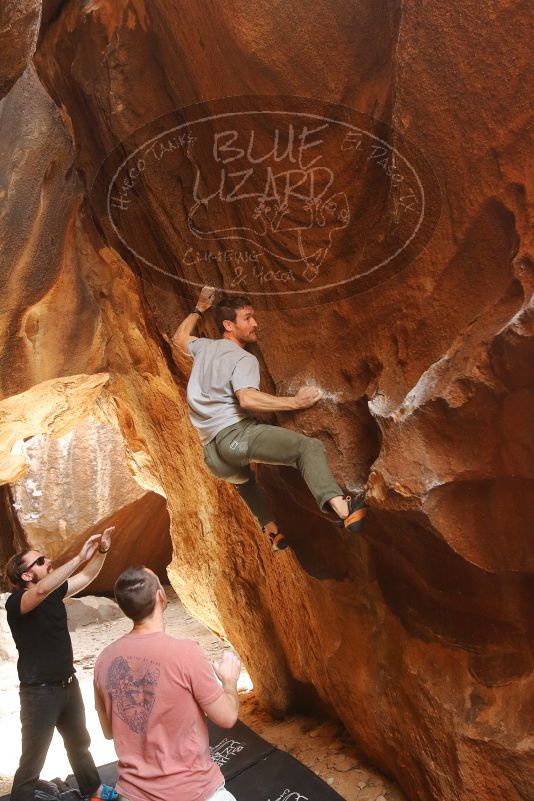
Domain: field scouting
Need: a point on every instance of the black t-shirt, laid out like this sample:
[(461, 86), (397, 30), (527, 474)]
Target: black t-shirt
[(42, 638)]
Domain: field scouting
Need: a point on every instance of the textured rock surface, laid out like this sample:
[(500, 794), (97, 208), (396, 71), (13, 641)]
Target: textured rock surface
[(419, 636), (12, 536), (80, 483), (19, 28), (73, 482), (90, 610), (52, 407), (51, 350)]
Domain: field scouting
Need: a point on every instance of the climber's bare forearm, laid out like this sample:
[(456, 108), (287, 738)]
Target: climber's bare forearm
[(252, 400), (82, 579)]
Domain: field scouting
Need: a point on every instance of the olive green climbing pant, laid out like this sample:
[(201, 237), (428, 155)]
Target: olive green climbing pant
[(229, 454)]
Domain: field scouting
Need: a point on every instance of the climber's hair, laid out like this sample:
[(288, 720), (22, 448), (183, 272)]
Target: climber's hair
[(14, 568), (226, 310), (135, 592)]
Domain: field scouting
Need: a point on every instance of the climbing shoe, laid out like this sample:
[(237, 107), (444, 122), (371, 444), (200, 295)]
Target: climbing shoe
[(357, 513), (278, 541)]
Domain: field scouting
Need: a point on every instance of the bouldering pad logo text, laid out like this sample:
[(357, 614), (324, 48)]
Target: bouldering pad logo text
[(225, 750)]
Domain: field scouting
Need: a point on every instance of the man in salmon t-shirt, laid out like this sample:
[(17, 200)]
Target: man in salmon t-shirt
[(152, 695)]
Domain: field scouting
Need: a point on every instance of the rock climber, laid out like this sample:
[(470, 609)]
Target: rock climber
[(223, 395)]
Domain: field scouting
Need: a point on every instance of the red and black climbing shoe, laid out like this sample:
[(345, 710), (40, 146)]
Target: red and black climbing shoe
[(357, 512), (278, 541)]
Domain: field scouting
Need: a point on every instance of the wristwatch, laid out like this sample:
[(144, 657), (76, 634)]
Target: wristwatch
[(196, 310)]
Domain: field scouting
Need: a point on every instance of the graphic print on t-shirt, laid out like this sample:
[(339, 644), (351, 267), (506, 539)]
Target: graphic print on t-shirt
[(132, 682)]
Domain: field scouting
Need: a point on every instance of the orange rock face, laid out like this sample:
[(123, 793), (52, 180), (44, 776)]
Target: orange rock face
[(418, 635), (19, 28)]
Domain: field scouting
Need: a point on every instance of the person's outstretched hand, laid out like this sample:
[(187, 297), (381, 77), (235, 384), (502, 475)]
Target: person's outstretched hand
[(89, 547), (228, 668), (308, 396), (105, 539), (206, 298)]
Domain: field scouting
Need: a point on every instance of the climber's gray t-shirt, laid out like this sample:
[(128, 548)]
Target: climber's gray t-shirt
[(220, 369)]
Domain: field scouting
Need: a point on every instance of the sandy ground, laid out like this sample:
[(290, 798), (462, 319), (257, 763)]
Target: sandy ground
[(324, 748)]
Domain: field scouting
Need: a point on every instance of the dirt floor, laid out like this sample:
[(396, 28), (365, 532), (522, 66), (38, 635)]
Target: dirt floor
[(325, 748)]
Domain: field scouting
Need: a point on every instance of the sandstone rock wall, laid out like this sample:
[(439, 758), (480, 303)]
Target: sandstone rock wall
[(73, 482), (78, 485), (418, 636), (12, 536), (19, 29)]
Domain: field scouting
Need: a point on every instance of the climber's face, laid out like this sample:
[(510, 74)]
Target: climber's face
[(244, 327)]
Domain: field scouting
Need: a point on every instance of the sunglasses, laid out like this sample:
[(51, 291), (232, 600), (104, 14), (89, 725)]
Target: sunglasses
[(39, 562)]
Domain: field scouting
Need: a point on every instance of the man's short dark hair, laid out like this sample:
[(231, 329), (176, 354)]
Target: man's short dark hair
[(135, 592), (14, 568), (226, 309)]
